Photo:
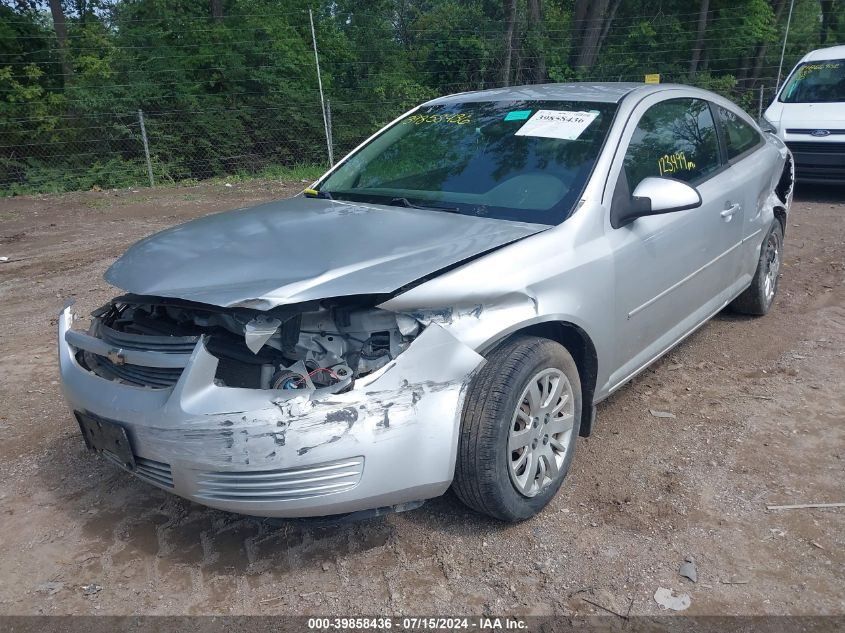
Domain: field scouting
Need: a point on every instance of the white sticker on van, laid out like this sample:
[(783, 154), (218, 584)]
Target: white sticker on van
[(560, 124)]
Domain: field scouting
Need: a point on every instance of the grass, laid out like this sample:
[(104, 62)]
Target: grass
[(294, 173), (279, 172), (98, 203), (134, 200)]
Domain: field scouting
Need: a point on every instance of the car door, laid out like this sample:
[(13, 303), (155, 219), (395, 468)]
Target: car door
[(672, 271)]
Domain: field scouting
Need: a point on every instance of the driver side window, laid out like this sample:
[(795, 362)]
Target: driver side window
[(674, 138)]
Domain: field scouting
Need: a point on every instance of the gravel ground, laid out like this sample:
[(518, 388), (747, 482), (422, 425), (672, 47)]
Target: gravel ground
[(759, 418)]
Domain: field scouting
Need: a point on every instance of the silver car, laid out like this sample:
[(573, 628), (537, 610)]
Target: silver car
[(445, 307)]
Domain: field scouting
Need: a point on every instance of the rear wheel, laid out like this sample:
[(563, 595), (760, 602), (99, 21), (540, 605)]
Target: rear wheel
[(521, 418), (758, 298)]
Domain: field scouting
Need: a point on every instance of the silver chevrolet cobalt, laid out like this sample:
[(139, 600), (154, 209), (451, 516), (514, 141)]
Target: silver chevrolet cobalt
[(445, 307)]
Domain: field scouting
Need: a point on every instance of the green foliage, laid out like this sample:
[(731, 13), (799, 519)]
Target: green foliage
[(238, 95), (37, 177), (720, 84), (302, 173)]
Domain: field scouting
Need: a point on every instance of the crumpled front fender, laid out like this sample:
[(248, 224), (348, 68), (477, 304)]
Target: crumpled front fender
[(402, 423)]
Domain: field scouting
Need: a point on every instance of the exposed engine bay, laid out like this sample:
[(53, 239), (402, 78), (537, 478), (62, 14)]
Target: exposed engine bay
[(317, 345)]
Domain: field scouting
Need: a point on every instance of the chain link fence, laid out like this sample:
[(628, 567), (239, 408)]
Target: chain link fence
[(232, 134), (120, 149)]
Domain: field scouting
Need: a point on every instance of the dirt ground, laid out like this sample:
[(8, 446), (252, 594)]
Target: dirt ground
[(759, 418)]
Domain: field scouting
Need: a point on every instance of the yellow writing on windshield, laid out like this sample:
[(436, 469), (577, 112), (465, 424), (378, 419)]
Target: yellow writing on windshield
[(671, 163), (458, 119), (814, 68)]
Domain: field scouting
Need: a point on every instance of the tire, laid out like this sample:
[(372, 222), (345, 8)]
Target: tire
[(759, 297), (487, 473)]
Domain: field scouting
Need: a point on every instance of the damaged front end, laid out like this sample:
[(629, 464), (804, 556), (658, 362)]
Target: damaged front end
[(318, 408), (326, 345)]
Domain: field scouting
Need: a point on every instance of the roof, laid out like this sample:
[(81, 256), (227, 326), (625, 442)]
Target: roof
[(824, 54), (608, 92)]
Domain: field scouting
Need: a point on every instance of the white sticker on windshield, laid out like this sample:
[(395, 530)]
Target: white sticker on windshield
[(557, 124)]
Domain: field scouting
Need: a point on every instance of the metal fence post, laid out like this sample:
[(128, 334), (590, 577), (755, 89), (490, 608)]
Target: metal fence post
[(329, 130), (146, 147), (320, 84), (783, 49)]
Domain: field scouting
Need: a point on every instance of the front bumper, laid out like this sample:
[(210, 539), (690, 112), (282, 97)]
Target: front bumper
[(816, 161), (390, 440)]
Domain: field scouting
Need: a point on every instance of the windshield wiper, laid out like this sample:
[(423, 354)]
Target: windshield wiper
[(404, 202)]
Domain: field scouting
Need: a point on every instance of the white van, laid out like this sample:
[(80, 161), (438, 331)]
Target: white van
[(808, 114)]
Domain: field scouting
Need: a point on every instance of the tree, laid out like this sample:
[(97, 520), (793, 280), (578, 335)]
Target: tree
[(588, 22), (830, 18), (535, 27), (608, 24), (703, 8), (510, 36), (762, 47), (229, 86), (217, 10), (60, 26)]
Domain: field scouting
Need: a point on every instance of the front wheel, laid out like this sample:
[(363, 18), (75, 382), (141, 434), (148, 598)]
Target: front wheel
[(758, 298), (521, 417)]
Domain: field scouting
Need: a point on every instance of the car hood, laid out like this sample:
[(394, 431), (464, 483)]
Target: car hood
[(302, 249), (806, 115)]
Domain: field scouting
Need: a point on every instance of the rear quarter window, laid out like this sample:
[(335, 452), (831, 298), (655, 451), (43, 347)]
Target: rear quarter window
[(740, 137)]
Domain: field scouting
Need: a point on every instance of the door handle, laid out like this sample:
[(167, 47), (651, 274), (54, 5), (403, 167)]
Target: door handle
[(728, 213)]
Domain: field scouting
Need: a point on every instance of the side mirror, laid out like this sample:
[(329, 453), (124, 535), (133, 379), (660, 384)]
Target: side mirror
[(767, 126), (655, 196)]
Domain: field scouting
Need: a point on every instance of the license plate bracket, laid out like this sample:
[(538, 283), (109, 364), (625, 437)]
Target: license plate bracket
[(105, 436)]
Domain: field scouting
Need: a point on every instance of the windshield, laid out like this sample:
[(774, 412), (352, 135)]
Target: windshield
[(511, 160), (816, 82)]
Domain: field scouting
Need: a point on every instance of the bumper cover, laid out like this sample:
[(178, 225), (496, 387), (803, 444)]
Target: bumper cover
[(390, 440), (818, 161)]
